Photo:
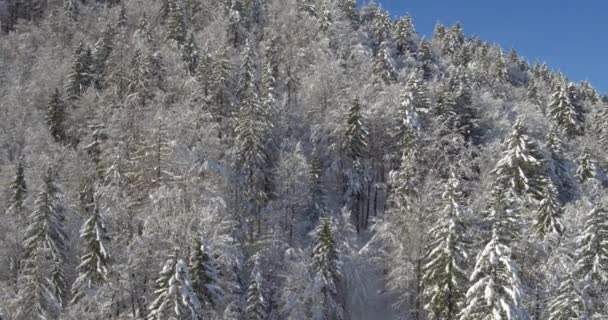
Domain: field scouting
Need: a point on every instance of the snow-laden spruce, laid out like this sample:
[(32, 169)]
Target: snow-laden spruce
[(174, 296), (564, 112), (325, 302), (445, 279), (521, 168), (567, 303)]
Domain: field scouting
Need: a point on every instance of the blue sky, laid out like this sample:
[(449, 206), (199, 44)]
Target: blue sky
[(570, 36)]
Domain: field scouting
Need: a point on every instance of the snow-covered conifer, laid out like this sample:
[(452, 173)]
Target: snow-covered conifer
[(18, 191), (405, 36), (79, 78), (55, 117), (567, 303), (355, 139), (204, 274), (549, 214), (327, 275), (383, 68), (585, 169), (444, 270), (564, 112)]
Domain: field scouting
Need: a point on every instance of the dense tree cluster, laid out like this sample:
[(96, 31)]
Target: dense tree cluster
[(290, 159)]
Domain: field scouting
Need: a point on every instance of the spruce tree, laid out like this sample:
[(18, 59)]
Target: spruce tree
[(256, 308), (564, 112), (100, 55), (355, 139), (174, 296), (585, 169), (55, 117), (236, 29), (326, 273), (383, 69), (549, 212), (495, 291), (414, 103), (559, 169), (36, 298), (592, 254), (190, 54), (445, 262), (454, 109), (521, 168), (176, 29), (205, 282), (79, 78), (18, 191), (534, 96), (567, 303), (326, 18), (46, 232), (94, 263), (405, 36)]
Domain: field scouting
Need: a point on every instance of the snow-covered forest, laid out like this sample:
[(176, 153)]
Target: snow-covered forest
[(290, 159)]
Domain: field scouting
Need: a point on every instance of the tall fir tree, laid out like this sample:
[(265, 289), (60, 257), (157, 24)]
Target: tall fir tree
[(190, 54), (495, 291), (79, 78), (383, 67), (405, 36), (18, 192), (174, 296), (585, 169), (46, 232), (55, 117), (204, 274), (93, 269), (521, 168), (326, 273), (355, 139), (549, 214), (564, 112), (100, 55), (567, 303), (257, 305), (444, 270)]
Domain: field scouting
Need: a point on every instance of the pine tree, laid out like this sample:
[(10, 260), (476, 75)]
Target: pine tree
[(205, 282), (256, 308), (355, 139), (18, 191), (55, 117), (252, 134), (567, 304), (326, 19), (100, 55), (521, 169), (175, 298), (93, 267), (414, 103), (592, 251), (46, 232), (326, 271), (405, 36), (176, 29), (559, 170), (495, 292), (383, 68), (534, 96), (79, 78), (564, 112), (549, 212), (36, 297), (190, 55), (445, 270), (585, 169)]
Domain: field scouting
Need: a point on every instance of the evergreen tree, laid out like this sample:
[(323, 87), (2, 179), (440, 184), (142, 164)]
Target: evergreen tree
[(454, 106), (355, 139), (190, 55), (592, 256), (495, 292), (445, 270), (567, 304), (383, 68), (405, 36), (256, 303), (414, 102), (205, 282), (585, 169), (55, 117), (521, 168), (326, 271), (326, 19), (79, 78), (18, 191), (45, 232), (93, 267), (564, 111), (175, 298), (534, 96), (454, 39), (36, 297), (252, 133), (176, 29), (349, 9), (559, 170), (100, 55), (236, 29), (549, 212), (140, 78)]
